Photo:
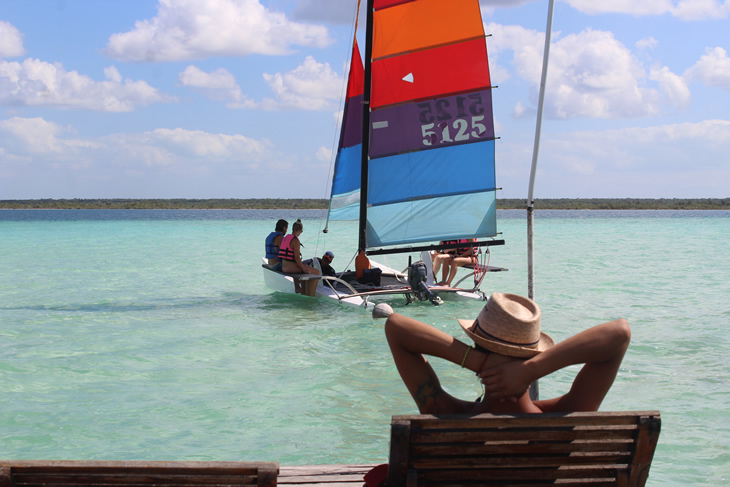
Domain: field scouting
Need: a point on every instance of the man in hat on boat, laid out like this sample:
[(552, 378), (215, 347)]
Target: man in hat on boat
[(509, 353), (325, 262)]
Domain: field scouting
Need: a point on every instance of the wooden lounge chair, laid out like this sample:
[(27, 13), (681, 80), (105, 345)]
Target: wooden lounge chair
[(37, 473), (599, 448)]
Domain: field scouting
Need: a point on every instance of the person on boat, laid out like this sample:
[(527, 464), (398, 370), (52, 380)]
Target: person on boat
[(273, 242), (291, 260), (456, 254), (509, 353), (325, 263)]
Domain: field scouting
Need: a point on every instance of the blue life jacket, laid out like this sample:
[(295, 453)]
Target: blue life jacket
[(272, 251)]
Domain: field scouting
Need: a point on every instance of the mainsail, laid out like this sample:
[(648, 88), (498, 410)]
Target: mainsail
[(429, 147)]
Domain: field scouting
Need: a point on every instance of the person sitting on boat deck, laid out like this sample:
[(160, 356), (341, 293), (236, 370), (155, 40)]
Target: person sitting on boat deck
[(509, 353), (455, 255), (291, 260), (273, 242), (325, 262)]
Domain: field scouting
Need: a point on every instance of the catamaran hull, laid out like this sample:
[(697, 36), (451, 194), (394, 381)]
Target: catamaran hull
[(285, 284), (342, 291)]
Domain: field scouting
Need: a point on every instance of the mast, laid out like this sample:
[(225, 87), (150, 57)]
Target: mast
[(535, 150), (362, 237)]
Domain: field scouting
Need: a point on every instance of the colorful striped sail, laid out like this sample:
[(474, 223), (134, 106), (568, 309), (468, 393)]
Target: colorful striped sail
[(345, 199), (430, 157)]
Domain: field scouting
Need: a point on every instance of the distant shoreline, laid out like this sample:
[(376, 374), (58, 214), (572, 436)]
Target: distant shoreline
[(322, 204)]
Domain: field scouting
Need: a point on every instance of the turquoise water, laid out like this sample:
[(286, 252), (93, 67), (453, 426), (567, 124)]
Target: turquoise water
[(132, 335)]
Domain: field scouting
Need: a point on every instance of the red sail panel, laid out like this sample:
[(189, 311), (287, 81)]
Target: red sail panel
[(378, 4), (456, 68), (425, 23), (356, 80)]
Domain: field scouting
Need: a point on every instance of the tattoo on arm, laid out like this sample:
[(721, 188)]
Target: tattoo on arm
[(428, 396)]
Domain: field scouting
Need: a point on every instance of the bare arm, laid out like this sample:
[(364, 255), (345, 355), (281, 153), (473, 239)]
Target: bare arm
[(297, 254), (600, 348), (410, 340)]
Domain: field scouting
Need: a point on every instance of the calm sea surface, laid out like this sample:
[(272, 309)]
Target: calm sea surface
[(130, 335)]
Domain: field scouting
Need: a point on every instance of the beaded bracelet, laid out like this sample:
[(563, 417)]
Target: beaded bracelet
[(463, 361)]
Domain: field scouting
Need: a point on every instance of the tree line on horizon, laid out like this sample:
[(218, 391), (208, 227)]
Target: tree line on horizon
[(323, 204)]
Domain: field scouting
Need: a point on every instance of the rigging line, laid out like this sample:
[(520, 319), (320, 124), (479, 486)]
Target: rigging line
[(343, 101)]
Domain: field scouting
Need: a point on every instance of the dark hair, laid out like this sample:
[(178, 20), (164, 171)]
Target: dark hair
[(297, 226), (281, 225)]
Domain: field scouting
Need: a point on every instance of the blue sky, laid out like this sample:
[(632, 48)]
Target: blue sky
[(241, 98)]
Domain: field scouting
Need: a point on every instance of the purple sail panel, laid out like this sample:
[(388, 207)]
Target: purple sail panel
[(351, 132), (431, 124)]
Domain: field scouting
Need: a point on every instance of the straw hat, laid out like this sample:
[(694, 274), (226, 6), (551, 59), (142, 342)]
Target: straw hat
[(509, 325)]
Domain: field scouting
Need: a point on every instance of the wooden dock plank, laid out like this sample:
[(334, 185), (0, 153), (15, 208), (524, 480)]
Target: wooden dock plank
[(323, 475)]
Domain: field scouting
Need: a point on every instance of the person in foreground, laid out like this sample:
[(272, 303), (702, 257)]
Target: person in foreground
[(509, 353)]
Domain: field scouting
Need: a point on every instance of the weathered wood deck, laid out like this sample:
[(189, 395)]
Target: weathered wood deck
[(323, 475)]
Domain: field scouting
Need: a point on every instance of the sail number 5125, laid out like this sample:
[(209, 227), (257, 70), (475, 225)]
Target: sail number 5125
[(444, 122)]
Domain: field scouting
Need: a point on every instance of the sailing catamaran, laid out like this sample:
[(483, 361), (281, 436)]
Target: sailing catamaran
[(415, 163)]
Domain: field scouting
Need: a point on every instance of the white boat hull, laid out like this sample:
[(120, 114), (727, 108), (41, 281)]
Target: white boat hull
[(285, 284)]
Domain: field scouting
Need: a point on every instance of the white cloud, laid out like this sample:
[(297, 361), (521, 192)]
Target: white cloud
[(324, 154), (31, 136), (682, 9), (156, 163), (665, 146), (713, 69), (673, 86), (310, 86), (207, 146), (112, 74), (647, 43), (685, 160), (520, 111), (36, 136), (38, 83), (591, 74), (701, 9), (219, 85), (11, 40), (197, 29)]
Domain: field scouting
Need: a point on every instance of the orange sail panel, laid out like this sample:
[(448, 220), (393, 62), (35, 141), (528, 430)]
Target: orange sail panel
[(456, 68), (427, 23)]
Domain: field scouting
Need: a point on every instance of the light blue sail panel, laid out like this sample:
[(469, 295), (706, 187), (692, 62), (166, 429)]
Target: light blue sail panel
[(345, 206), (345, 200), (435, 219), (432, 173)]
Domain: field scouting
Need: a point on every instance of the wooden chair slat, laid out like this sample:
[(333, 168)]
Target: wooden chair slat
[(614, 448), (442, 436), (109, 473), (602, 418), (522, 447), (521, 475), (523, 461)]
